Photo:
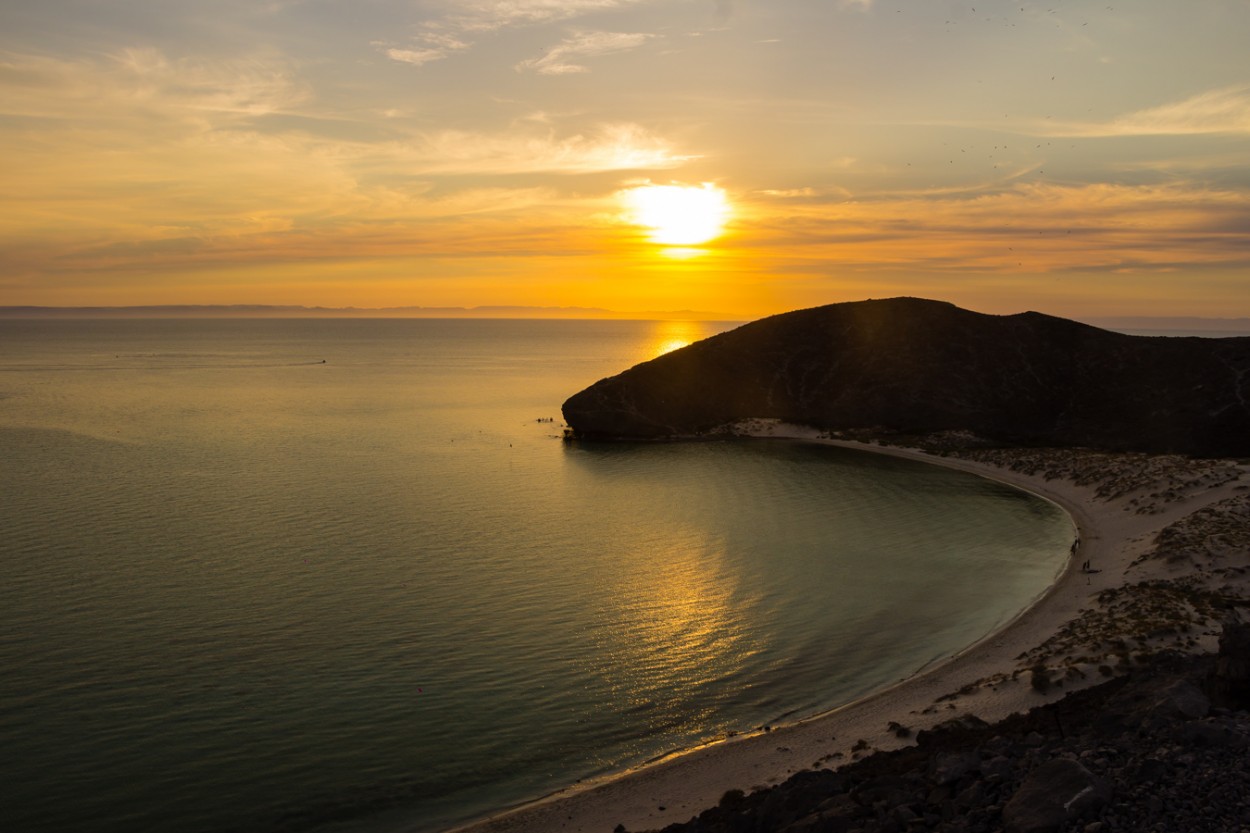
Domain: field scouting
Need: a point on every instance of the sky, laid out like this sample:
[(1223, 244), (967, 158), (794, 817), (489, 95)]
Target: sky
[(1075, 158)]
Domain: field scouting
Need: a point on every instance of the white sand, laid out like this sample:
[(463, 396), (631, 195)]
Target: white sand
[(987, 678)]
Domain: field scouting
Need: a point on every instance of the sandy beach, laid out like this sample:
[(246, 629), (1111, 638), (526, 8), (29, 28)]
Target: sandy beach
[(1150, 572)]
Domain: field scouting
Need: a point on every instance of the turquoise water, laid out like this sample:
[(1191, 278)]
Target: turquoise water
[(243, 589)]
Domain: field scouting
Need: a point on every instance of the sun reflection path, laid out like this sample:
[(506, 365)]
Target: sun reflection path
[(674, 335), (676, 630)]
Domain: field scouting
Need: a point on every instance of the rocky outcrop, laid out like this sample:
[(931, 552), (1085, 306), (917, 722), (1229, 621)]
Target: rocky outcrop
[(1052, 795), (1230, 680), (914, 366), (1142, 752)]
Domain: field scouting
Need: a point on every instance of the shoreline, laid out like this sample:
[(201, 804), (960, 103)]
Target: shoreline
[(991, 678)]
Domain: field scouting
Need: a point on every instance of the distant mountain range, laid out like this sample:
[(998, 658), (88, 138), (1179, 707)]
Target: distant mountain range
[(917, 366), (1172, 324), (276, 311), (1121, 323)]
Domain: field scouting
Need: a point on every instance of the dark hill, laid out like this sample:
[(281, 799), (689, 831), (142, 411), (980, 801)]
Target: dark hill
[(917, 366)]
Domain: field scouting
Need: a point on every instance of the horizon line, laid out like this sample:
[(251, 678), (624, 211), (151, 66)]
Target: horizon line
[(516, 311)]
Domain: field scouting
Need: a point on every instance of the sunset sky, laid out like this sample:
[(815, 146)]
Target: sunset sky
[(1077, 158)]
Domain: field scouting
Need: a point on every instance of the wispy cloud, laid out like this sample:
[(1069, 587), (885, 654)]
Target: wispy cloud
[(790, 193), (468, 21), (1218, 111), (243, 86), (565, 57), (382, 223), (144, 161), (1030, 227), (610, 147), (430, 45), (416, 57), (498, 14), (1222, 111), (148, 80), (149, 193)]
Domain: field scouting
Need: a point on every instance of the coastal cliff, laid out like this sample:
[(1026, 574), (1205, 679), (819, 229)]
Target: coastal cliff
[(910, 365)]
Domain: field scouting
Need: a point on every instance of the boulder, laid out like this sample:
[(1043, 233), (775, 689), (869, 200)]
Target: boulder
[(1214, 735), (949, 767), (1230, 680), (1053, 795), (1182, 700)]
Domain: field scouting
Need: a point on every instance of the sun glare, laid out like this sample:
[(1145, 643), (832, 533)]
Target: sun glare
[(678, 215)]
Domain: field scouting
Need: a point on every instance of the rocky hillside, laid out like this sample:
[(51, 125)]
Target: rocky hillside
[(916, 366), (1161, 749)]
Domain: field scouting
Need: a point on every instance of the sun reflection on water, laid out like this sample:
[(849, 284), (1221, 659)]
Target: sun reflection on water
[(676, 629), (674, 335), (671, 345)]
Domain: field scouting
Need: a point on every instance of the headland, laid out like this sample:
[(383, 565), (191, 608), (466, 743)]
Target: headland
[(1143, 441)]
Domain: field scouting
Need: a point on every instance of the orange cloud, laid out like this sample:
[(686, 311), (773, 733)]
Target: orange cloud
[(1031, 226)]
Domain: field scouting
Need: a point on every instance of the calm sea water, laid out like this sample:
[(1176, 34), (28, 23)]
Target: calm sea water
[(245, 590)]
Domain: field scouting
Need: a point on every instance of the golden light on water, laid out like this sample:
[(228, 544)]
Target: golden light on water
[(673, 335), (670, 345), (674, 627), (678, 215)]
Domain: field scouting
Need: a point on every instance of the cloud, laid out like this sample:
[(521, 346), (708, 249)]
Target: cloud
[(244, 86), (789, 193), (498, 14), (381, 222), (609, 147), (146, 80), (1222, 111), (416, 57), (457, 30), (826, 194), (1029, 227), (563, 59), (1218, 111), (433, 45)]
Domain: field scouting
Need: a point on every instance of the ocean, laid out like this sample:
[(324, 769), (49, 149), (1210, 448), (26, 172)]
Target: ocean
[(344, 575)]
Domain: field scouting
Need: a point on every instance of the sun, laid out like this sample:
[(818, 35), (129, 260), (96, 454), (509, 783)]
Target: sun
[(678, 215)]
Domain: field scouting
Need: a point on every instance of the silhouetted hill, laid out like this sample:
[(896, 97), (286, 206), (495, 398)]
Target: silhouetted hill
[(918, 366)]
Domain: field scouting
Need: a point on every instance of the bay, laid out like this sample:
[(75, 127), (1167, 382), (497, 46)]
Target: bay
[(315, 575)]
